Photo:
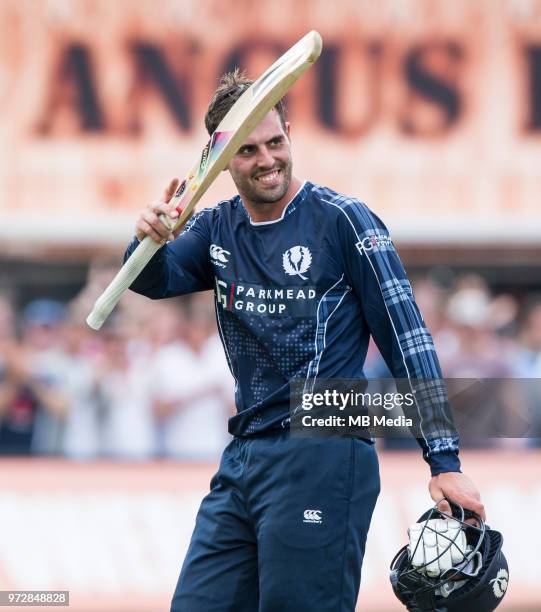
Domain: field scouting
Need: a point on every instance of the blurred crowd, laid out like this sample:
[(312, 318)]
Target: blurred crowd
[(154, 381)]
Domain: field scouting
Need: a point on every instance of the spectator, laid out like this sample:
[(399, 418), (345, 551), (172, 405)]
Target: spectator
[(63, 389), (33, 398), (127, 422), (193, 388), (84, 422), (530, 336)]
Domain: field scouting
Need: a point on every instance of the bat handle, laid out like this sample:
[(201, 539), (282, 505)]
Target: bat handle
[(126, 275)]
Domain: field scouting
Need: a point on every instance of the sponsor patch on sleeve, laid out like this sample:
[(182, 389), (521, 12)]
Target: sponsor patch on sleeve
[(380, 242)]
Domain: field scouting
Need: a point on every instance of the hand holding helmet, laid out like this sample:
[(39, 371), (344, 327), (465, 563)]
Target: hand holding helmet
[(450, 565)]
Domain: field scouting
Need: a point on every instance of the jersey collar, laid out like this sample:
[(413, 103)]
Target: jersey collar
[(288, 208)]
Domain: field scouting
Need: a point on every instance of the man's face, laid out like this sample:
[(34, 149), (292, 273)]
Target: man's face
[(262, 167)]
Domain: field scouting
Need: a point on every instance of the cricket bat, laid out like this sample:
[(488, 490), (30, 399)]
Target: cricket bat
[(235, 127)]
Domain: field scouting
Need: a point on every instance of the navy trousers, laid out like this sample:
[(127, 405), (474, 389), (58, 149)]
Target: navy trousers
[(283, 528)]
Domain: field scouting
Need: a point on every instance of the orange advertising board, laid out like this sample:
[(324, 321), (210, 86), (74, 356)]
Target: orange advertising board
[(428, 110)]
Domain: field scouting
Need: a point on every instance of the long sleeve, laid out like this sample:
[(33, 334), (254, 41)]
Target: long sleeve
[(377, 276), (181, 266)]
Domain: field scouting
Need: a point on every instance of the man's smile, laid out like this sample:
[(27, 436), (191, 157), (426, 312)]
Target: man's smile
[(270, 177)]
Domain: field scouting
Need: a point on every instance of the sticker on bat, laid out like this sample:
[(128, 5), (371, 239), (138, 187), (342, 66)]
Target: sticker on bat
[(217, 144), (204, 158), (180, 189)]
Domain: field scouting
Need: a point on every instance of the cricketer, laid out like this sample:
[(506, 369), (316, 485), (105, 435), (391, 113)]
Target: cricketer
[(303, 277)]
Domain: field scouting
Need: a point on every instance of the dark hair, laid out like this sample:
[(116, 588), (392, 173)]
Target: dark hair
[(231, 87)]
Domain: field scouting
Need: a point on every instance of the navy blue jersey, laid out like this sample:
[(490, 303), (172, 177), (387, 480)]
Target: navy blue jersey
[(299, 298)]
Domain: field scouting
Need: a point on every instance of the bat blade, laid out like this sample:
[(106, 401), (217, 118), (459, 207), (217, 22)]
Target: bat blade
[(239, 122)]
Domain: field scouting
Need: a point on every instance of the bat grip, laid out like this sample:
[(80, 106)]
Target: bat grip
[(126, 275)]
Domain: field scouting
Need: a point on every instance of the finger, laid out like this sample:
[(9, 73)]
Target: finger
[(430, 543), (170, 190), (445, 507), (159, 208), (438, 496), (159, 224), (167, 215), (148, 230), (417, 550), (475, 505), (457, 548)]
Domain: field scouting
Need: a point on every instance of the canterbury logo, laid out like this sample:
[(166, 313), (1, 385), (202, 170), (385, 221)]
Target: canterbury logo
[(499, 584), (296, 261), (218, 255), (312, 516)]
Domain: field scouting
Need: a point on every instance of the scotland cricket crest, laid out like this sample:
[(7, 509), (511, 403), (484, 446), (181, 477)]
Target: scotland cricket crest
[(296, 261)]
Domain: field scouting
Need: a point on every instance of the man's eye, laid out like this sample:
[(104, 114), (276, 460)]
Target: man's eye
[(275, 142)]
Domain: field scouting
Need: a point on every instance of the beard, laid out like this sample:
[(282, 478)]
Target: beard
[(259, 193)]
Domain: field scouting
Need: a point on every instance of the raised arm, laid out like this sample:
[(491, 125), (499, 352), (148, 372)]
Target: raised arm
[(182, 264)]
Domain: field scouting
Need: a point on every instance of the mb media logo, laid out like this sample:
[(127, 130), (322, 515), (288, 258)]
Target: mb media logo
[(313, 516), (218, 255)]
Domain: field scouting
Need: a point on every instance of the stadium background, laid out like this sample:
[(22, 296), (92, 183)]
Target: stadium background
[(430, 111)]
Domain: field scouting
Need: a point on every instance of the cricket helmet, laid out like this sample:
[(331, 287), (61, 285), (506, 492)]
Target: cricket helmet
[(477, 583)]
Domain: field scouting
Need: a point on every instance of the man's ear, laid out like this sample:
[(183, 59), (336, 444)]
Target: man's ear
[(288, 129)]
